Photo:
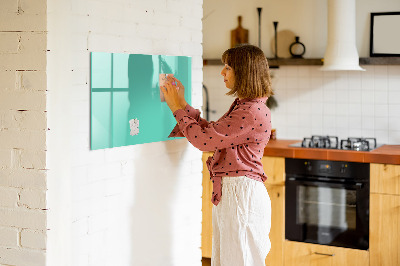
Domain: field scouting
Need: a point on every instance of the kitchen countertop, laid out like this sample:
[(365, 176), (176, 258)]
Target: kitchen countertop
[(389, 154)]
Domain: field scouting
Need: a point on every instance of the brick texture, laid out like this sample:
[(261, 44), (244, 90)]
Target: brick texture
[(23, 126)]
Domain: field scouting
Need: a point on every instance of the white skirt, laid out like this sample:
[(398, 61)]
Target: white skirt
[(241, 223)]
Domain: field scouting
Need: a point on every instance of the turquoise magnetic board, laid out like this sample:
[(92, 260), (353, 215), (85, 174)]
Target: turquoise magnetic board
[(126, 107)]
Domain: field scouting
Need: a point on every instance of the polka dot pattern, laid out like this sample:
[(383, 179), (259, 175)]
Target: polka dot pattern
[(238, 139)]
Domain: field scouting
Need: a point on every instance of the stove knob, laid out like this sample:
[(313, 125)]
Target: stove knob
[(343, 168), (308, 166)]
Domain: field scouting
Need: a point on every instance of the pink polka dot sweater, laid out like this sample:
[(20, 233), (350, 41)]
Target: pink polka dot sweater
[(238, 139)]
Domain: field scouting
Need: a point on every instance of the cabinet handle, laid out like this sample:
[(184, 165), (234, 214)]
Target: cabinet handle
[(324, 254)]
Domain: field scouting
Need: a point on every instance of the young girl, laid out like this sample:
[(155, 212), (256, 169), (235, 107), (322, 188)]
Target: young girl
[(242, 209)]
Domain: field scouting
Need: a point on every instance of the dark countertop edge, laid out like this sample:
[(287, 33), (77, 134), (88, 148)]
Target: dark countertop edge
[(386, 154)]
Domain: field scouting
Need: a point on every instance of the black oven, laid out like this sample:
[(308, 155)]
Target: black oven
[(327, 202)]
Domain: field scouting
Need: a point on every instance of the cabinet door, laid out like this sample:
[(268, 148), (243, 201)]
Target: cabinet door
[(304, 254), (384, 230), (206, 226), (385, 178), (274, 168), (277, 233)]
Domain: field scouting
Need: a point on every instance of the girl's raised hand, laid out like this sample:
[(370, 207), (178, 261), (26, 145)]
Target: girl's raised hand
[(172, 95)]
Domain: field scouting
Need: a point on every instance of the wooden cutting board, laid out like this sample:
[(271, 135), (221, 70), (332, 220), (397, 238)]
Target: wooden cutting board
[(239, 35)]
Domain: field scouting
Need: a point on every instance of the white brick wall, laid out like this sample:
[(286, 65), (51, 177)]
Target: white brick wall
[(23, 128), (136, 205)]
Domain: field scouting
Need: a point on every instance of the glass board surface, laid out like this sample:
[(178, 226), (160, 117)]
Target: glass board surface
[(126, 105)]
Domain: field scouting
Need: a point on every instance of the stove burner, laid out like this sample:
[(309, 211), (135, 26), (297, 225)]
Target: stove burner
[(358, 144), (328, 142), (332, 142)]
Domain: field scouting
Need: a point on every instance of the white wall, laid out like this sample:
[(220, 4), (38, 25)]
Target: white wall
[(306, 19), (135, 205), (23, 133), (311, 102)]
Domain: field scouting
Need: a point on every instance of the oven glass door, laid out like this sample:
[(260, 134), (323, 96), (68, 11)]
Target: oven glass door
[(326, 213), (327, 207)]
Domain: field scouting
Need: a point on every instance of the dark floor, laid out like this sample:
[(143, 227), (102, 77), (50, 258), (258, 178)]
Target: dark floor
[(206, 261)]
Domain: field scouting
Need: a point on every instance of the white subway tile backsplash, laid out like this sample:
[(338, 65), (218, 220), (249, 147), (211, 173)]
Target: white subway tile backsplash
[(304, 82), (342, 109), (381, 97), (342, 96), (292, 83), (367, 133), (342, 133), (381, 122), (394, 71), (394, 137), (354, 122), (355, 96), (355, 132), (328, 74), (394, 124), (329, 122), (316, 83), (380, 71), (367, 82), (369, 70), (329, 94), (278, 82), (367, 110), (329, 109), (304, 95), (304, 72), (381, 84), (381, 110), (342, 122), (382, 136), (342, 81), (293, 120), (394, 110), (291, 71), (315, 71), (394, 97), (317, 131), (348, 103), (317, 120), (394, 83), (368, 123), (367, 96)]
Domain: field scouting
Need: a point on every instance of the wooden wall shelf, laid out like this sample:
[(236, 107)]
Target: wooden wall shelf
[(273, 63), (380, 61)]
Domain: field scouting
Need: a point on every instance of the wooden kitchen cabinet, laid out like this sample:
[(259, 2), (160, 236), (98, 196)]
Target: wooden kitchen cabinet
[(305, 254), (274, 168), (385, 215), (385, 178), (384, 236), (277, 233), (206, 225)]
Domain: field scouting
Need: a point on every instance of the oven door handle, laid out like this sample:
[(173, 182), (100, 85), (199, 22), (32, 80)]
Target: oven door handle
[(357, 185)]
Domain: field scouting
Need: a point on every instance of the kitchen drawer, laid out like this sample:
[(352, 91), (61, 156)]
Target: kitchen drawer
[(385, 178), (305, 254), (274, 168)]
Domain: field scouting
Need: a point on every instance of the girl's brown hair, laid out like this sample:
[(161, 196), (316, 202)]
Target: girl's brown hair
[(250, 66)]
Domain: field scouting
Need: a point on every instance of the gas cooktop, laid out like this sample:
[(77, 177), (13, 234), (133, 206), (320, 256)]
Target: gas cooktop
[(332, 142)]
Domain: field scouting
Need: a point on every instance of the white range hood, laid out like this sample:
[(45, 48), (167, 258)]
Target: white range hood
[(341, 51)]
